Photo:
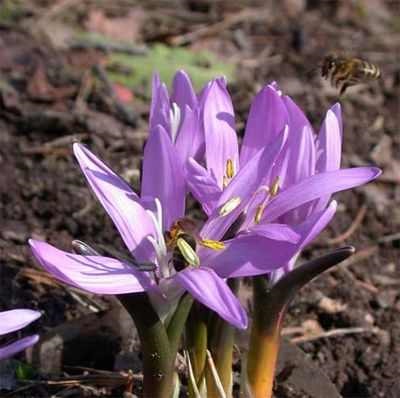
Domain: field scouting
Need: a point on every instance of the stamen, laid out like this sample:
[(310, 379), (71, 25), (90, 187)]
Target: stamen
[(259, 213), (187, 252), (212, 244), (275, 186), (229, 169), (229, 206), (175, 118)]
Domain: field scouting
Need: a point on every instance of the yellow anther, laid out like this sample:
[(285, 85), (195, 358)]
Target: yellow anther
[(275, 186), (229, 206), (259, 213), (212, 244), (229, 168), (187, 252)]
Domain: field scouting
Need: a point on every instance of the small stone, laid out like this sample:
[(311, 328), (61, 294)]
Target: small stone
[(331, 306)]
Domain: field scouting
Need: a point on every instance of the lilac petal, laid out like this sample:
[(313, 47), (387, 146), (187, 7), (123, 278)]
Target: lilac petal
[(219, 129), (317, 186), (329, 141), (281, 232), (163, 176), (160, 105), (267, 118), (251, 254), (190, 140), (300, 156), (202, 186), (119, 201), (17, 319), (96, 274), (243, 185), (314, 225), (212, 291), (308, 230), (18, 346), (182, 91), (329, 147)]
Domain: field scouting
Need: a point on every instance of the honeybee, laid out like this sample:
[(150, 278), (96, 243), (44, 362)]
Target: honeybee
[(182, 239), (345, 72)]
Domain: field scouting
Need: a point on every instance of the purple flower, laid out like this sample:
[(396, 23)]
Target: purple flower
[(283, 198), (142, 223), (13, 320), (178, 115)]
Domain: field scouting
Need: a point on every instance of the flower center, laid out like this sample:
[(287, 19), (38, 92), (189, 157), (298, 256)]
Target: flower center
[(182, 240)]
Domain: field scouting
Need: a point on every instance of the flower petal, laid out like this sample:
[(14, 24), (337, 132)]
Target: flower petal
[(317, 186), (18, 346), (203, 186), (308, 230), (219, 130), (163, 176), (248, 255), (252, 254), (160, 105), (300, 156), (329, 141), (212, 291), (182, 91), (190, 140), (16, 319), (242, 186), (275, 231), (119, 201), (267, 118), (329, 147), (96, 274)]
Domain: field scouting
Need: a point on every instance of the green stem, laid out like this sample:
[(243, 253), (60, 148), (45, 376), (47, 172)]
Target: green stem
[(158, 363), (221, 340), (177, 322)]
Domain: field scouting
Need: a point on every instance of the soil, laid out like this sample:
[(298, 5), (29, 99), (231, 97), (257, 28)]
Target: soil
[(43, 193)]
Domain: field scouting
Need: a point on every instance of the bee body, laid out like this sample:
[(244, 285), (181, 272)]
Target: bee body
[(345, 72)]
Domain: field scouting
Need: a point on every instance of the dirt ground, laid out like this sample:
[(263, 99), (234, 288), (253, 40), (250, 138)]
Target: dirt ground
[(52, 95)]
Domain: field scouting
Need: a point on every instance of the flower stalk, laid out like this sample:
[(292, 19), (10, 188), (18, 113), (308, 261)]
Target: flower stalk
[(196, 343), (221, 340), (270, 305), (158, 363)]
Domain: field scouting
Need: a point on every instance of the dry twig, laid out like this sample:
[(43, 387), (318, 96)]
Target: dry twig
[(353, 227)]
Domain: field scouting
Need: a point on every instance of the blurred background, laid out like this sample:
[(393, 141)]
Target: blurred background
[(81, 71)]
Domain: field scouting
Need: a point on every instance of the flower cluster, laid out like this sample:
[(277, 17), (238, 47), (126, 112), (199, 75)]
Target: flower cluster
[(276, 189), (263, 202)]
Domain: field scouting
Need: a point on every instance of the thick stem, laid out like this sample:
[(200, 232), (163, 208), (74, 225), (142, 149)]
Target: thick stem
[(158, 363), (222, 336), (264, 342), (196, 341), (270, 305)]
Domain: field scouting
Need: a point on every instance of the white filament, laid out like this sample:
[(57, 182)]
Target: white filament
[(175, 118), (158, 241)]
